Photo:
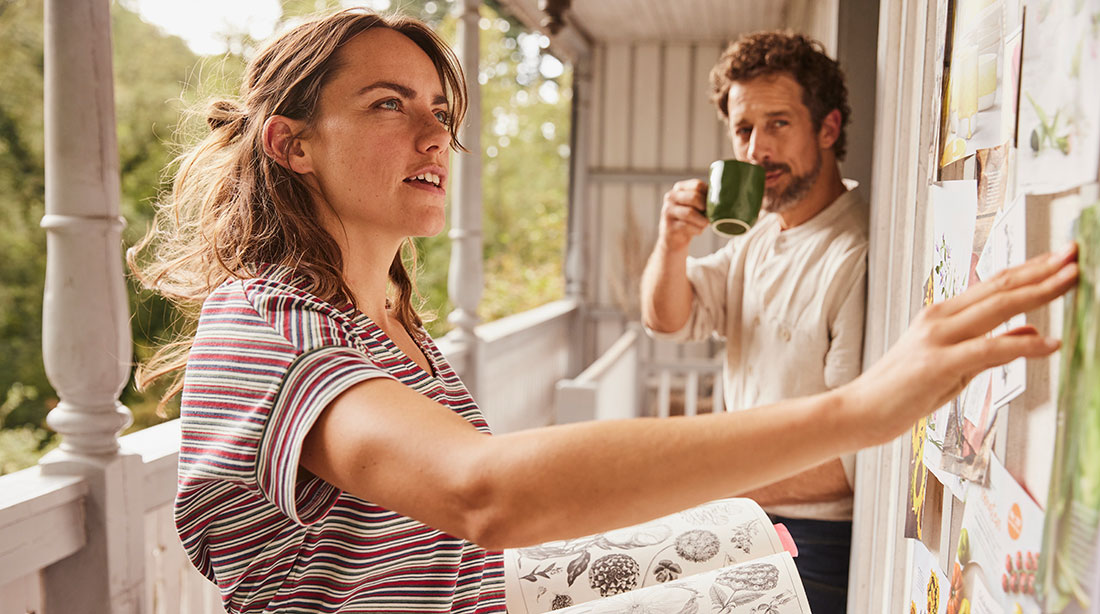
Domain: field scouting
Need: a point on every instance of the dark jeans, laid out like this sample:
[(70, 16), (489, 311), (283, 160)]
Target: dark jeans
[(824, 548)]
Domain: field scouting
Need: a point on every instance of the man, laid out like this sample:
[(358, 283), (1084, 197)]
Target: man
[(788, 296)]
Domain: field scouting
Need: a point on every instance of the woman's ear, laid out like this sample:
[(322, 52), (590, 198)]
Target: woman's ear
[(830, 129), (283, 143)]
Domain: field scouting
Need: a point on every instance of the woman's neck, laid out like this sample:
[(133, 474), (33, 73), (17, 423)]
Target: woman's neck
[(367, 263)]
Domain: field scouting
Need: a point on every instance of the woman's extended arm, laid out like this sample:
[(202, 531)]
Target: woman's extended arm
[(388, 444)]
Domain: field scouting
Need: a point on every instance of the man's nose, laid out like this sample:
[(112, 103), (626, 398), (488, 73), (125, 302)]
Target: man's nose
[(759, 149)]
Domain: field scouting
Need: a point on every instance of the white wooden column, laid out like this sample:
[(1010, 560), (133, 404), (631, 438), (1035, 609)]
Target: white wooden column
[(86, 329), (905, 111), (576, 257), (464, 280)]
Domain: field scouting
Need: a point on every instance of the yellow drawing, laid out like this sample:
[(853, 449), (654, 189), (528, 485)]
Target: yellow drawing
[(933, 593), (918, 479)]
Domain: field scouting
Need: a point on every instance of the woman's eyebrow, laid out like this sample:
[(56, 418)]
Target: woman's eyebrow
[(402, 90)]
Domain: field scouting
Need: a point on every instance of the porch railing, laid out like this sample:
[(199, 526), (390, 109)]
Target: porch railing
[(627, 381), (43, 517)]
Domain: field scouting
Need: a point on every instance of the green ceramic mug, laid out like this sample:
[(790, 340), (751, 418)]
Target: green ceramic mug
[(734, 196)]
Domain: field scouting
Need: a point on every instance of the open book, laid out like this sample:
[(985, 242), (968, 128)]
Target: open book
[(723, 557)]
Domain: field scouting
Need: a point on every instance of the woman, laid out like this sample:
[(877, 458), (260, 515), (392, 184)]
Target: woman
[(331, 459)]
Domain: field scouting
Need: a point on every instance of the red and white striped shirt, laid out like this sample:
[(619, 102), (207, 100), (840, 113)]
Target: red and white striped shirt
[(268, 357)]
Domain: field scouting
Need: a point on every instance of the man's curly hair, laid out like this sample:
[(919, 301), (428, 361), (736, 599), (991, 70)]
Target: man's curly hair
[(803, 58)]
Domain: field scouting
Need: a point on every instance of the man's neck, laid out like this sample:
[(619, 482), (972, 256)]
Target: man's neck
[(825, 191)]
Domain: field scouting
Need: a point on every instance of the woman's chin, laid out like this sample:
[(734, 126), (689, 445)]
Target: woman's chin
[(432, 227)]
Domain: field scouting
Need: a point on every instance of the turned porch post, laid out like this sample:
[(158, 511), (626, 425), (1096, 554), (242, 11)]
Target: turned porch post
[(86, 324), (464, 279)]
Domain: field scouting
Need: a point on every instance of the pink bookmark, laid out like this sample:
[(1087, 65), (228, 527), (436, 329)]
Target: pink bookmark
[(786, 539)]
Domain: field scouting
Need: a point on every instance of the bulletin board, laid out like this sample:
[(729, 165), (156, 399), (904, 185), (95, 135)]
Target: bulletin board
[(1002, 484)]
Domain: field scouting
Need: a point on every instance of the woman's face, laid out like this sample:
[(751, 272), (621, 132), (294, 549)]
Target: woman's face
[(379, 147)]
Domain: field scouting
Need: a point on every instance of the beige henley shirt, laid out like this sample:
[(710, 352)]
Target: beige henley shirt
[(790, 306)]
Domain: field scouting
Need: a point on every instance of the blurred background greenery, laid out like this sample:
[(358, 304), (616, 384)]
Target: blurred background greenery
[(161, 86)]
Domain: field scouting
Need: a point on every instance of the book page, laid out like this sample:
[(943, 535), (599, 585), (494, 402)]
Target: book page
[(768, 585), (704, 538)]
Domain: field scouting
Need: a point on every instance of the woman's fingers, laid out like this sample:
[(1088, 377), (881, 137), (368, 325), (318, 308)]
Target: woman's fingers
[(1011, 298), (977, 355), (949, 344), (1034, 270)]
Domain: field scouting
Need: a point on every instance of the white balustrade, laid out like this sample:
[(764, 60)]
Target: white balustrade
[(464, 279), (608, 388)]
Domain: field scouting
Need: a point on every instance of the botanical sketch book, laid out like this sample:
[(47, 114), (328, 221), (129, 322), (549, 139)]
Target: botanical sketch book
[(724, 557)]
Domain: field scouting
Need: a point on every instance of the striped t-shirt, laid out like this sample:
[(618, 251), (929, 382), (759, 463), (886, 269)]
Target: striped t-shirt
[(268, 357)]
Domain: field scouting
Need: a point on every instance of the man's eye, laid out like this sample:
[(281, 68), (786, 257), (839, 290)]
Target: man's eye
[(390, 104), (443, 117)]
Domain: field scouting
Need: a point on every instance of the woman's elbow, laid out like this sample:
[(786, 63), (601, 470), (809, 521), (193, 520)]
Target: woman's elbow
[(492, 517)]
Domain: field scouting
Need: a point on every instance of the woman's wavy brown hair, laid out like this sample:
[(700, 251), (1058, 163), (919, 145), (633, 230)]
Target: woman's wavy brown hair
[(232, 207), (769, 53)]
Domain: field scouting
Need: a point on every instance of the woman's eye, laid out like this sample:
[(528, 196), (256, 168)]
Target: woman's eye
[(443, 117)]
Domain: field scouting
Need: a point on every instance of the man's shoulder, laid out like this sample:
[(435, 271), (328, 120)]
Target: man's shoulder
[(853, 220)]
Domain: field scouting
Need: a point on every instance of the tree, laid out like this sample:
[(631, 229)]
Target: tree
[(148, 104), (159, 110)]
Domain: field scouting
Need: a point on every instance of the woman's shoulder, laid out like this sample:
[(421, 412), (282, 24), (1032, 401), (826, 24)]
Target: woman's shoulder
[(274, 293)]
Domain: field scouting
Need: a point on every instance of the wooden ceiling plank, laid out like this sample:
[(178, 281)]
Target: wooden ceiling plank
[(684, 21)]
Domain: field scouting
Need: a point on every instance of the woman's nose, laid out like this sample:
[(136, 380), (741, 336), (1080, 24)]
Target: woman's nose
[(434, 135)]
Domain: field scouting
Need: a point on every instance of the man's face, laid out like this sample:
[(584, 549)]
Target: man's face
[(770, 126)]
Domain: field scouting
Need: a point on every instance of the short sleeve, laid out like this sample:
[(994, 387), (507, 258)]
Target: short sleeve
[(266, 361), (709, 279), (313, 381)]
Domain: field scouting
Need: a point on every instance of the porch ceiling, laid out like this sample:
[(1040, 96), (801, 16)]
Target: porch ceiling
[(666, 20)]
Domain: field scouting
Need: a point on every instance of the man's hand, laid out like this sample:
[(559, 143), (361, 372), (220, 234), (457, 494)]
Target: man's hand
[(682, 214)]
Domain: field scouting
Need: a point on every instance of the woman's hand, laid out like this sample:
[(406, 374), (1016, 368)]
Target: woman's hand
[(948, 344)]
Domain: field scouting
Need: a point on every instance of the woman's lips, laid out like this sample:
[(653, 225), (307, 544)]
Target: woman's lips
[(427, 187)]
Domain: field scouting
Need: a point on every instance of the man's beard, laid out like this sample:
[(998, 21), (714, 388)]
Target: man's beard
[(795, 191)]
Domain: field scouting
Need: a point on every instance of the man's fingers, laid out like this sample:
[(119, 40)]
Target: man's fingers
[(690, 186), (687, 214), (687, 193), (982, 316)]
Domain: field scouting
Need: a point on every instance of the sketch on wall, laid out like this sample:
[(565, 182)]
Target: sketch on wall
[(975, 97), (1059, 130)]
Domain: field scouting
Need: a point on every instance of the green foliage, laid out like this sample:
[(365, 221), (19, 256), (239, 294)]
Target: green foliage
[(22, 242), (21, 446), (526, 126), (161, 89), (525, 167)]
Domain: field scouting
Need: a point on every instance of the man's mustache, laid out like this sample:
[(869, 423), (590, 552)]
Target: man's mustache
[(775, 166)]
